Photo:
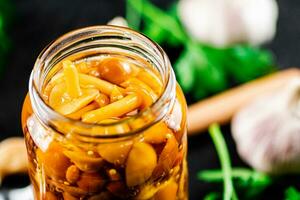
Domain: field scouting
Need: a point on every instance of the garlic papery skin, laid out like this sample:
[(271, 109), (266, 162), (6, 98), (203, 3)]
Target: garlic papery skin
[(118, 21), (267, 132), (222, 23)]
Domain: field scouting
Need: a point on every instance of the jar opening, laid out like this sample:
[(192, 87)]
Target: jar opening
[(90, 42)]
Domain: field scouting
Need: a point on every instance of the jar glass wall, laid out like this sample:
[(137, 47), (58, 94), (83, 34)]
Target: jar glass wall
[(137, 155)]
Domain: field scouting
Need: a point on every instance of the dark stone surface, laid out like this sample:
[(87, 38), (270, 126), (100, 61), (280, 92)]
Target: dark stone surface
[(39, 22)]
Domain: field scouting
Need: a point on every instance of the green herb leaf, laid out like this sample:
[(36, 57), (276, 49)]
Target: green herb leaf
[(208, 75), (155, 32), (222, 150), (292, 193), (185, 71), (245, 63), (159, 18), (212, 196), (134, 18), (160, 35), (197, 74), (251, 181)]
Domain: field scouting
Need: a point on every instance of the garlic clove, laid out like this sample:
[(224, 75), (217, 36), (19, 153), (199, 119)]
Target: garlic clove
[(225, 22), (118, 21), (267, 132), (13, 157), (260, 19)]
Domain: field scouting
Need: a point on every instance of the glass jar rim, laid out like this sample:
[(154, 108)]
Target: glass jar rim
[(46, 114)]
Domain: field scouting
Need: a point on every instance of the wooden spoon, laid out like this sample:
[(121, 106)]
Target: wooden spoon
[(221, 108)]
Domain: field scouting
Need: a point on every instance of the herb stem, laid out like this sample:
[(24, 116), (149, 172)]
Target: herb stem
[(133, 17), (219, 142), (244, 174)]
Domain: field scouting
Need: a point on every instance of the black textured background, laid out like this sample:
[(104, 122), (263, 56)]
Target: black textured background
[(38, 22)]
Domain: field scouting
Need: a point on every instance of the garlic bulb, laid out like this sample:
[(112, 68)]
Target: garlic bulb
[(118, 21), (224, 22), (267, 132)]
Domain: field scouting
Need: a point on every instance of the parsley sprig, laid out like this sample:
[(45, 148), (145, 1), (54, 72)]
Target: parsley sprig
[(222, 150), (248, 182)]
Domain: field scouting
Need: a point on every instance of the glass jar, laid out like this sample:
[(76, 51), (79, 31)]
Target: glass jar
[(71, 159)]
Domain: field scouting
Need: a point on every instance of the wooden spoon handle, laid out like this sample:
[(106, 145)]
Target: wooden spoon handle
[(221, 108), (13, 157)]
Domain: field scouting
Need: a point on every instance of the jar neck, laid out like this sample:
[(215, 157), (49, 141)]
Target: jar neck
[(92, 41)]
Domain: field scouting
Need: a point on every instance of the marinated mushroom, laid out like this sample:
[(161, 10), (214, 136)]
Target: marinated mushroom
[(107, 95), (139, 170)]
